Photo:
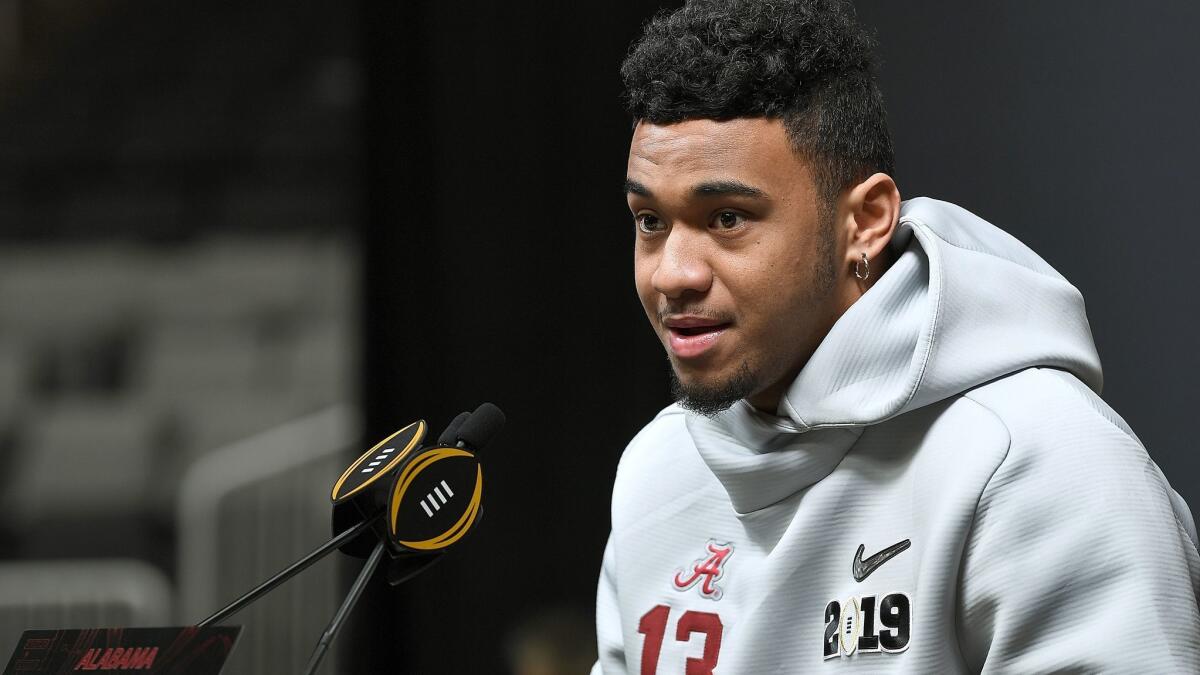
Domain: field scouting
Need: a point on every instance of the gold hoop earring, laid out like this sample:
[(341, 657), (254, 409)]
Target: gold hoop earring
[(866, 272)]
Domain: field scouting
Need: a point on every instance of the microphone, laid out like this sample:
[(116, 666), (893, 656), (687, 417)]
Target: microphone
[(358, 506), (438, 480), (362, 492), (450, 435), (362, 496), (479, 428), (436, 495)]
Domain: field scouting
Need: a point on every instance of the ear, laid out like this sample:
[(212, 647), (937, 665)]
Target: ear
[(871, 211)]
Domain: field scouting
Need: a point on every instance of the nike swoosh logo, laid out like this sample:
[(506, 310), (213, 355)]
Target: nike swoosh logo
[(861, 569)]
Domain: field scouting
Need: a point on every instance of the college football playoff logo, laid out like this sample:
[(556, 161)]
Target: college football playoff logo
[(868, 624), (705, 572)]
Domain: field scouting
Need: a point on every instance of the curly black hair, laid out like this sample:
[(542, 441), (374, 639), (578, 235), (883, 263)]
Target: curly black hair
[(807, 62)]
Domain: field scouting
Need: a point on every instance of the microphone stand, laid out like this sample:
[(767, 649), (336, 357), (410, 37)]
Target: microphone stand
[(352, 597), (291, 571), (490, 420)]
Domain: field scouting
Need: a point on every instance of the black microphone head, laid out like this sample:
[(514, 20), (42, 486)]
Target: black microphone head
[(450, 435), (481, 426)]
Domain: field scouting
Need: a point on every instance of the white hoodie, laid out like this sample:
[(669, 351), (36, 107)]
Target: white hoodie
[(954, 406)]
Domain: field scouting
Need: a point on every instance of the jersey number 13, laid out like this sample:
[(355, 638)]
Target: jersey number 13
[(654, 626)]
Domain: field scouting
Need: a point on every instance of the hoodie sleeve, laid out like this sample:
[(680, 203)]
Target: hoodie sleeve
[(1078, 560), (609, 641)]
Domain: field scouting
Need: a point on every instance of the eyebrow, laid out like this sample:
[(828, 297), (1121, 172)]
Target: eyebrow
[(634, 187), (717, 188), (727, 187)]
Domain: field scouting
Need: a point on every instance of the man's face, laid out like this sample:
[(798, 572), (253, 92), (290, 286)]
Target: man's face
[(734, 262)]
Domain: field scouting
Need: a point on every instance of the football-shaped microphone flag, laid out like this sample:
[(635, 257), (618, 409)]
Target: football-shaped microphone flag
[(436, 497), (426, 498), (378, 461), (361, 492)]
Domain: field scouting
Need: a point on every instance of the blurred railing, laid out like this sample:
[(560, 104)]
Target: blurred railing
[(248, 510)]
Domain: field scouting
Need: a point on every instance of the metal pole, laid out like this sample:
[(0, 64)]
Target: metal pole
[(335, 625), (291, 571)]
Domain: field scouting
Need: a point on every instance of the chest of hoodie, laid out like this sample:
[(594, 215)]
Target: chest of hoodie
[(776, 577)]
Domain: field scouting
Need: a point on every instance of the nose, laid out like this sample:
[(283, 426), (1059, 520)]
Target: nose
[(682, 266)]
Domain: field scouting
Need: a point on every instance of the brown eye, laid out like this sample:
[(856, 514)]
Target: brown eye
[(648, 223), (727, 220)]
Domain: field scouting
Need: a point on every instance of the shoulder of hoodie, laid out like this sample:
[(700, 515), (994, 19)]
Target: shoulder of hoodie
[(1028, 397), (662, 447), (1038, 435), (1062, 436), (1073, 462), (663, 438)]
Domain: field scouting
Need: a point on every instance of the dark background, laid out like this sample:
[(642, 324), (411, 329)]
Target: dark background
[(498, 261)]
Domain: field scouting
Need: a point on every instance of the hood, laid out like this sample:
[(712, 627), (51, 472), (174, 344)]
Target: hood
[(963, 303)]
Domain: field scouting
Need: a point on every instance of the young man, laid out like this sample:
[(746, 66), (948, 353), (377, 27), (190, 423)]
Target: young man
[(888, 452)]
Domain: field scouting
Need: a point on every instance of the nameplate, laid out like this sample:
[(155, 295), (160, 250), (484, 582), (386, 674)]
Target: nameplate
[(178, 651)]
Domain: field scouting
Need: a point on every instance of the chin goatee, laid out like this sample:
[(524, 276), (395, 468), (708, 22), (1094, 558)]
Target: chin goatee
[(709, 400)]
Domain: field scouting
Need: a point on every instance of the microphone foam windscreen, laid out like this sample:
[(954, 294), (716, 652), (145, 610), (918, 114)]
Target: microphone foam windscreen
[(481, 426), (450, 435)]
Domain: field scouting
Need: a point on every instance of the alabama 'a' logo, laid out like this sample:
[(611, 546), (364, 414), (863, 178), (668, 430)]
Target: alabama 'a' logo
[(705, 572)]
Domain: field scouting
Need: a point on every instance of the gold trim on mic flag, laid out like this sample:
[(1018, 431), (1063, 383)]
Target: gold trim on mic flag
[(418, 436)]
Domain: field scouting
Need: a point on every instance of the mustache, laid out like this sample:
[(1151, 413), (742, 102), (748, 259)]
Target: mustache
[(701, 312)]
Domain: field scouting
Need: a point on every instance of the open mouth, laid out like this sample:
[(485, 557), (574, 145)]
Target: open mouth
[(692, 336), (692, 331)]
